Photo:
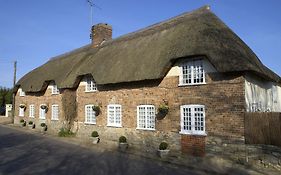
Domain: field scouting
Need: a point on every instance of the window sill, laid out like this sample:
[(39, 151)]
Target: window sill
[(114, 126), (55, 94), (31, 117), (194, 134), (42, 118), (91, 91), (146, 129), (54, 119), (89, 123), (194, 84)]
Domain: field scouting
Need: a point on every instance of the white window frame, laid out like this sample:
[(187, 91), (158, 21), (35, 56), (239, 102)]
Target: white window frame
[(31, 111), (192, 130), (113, 109), (55, 112), (21, 92), (91, 85), (92, 113), (42, 112), (146, 117), (192, 64), (21, 112), (55, 89)]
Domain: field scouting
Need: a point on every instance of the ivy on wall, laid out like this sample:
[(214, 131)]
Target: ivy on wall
[(69, 106)]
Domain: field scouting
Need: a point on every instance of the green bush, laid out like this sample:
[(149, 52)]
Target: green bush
[(65, 133), (163, 146), (122, 139), (95, 134), (43, 124), (22, 120), (30, 122), (163, 109), (96, 108)]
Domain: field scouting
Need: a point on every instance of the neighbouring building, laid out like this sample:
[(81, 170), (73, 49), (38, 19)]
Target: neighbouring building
[(193, 64)]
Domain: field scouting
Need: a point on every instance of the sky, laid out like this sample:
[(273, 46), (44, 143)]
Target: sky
[(33, 31)]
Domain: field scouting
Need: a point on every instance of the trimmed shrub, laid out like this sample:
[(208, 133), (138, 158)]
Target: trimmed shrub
[(95, 134), (122, 139), (163, 146)]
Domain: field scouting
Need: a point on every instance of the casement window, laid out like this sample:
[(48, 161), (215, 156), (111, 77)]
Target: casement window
[(55, 112), (55, 89), (21, 112), (90, 85), (114, 115), (21, 92), (90, 114), (42, 112), (193, 119), (31, 111), (146, 117), (192, 73)]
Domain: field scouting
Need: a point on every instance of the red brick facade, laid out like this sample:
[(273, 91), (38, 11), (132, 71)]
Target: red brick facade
[(193, 145), (222, 95)]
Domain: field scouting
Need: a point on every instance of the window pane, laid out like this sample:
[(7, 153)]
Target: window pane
[(146, 117), (193, 119), (90, 114), (193, 72)]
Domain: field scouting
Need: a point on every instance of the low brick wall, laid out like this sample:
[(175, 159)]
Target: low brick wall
[(5, 120), (193, 145), (237, 150)]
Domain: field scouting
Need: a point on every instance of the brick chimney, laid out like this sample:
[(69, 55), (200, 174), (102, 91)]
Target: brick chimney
[(100, 32)]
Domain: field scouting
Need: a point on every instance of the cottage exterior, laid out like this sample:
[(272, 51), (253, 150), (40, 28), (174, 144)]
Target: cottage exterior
[(193, 63)]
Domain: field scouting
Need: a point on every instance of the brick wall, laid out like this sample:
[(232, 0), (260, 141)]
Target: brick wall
[(193, 145), (37, 99), (223, 97)]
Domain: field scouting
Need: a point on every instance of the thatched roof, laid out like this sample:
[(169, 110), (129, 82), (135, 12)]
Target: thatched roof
[(149, 53)]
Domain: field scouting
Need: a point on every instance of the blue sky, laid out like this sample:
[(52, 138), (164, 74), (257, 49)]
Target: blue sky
[(33, 31)]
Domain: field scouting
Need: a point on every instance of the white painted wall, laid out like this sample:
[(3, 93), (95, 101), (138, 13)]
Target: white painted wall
[(262, 96)]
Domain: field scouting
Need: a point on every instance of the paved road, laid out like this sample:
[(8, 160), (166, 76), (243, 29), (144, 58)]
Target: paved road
[(25, 153)]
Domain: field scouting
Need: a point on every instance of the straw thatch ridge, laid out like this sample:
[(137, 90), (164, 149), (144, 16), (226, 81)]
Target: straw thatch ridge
[(149, 53)]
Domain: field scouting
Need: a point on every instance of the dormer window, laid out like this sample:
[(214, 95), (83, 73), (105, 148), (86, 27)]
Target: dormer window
[(192, 73), (21, 92), (55, 89), (90, 85)]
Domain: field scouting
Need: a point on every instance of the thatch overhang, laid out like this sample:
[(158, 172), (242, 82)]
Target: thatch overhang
[(149, 53)]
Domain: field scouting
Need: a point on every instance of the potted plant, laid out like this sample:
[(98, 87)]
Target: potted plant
[(97, 110), (123, 145), (23, 123), (45, 107), (30, 124), (22, 106), (163, 110), (95, 136), (163, 150), (44, 127)]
